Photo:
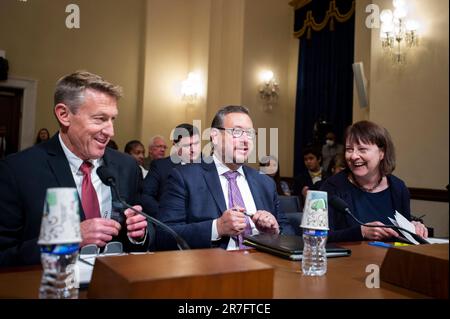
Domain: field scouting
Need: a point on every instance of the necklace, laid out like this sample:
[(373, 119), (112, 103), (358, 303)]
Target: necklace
[(365, 189)]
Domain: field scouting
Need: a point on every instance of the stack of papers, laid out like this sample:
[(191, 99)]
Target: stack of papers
[(401, 221)]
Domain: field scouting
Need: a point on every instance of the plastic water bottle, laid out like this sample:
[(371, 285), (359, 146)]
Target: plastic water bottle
[(59, 278), (314, 261)]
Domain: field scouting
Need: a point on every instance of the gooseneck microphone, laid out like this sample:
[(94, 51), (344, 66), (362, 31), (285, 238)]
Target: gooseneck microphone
[(108, 179), (343, 207)]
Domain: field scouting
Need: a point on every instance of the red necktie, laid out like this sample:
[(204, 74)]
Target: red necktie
[(89, 199)]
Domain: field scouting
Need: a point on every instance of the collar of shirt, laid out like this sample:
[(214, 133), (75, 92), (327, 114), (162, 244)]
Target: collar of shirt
[(222, 168), (74, 161), (316, 174), (103, 191)]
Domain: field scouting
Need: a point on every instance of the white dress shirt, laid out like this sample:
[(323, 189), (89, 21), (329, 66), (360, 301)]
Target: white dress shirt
[(103, 191), (247, 197)]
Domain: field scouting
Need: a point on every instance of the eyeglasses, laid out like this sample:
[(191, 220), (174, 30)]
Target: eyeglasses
[(237, 132), (92, 250), (164, 147)]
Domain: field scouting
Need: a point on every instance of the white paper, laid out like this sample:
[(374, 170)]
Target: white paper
[(432, 240), (401, 221)]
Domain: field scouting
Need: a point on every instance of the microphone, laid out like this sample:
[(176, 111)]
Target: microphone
[(340, 205), (108, 179)]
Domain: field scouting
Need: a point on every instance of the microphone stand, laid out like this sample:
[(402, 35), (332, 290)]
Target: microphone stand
[(414, 235), (181, 243)]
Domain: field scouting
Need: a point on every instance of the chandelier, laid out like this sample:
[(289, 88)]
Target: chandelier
[(397, 33)]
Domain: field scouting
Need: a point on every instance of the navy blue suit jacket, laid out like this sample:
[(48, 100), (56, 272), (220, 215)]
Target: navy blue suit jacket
[(155, 183), (342, 226), (194, 198), (24, 179)]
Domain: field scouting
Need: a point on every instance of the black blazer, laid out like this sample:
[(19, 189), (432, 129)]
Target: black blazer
[(24, 179), (194, 198), (155, 183), (342, 226)]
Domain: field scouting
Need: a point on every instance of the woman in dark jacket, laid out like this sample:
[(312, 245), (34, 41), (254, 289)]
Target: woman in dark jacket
[(367, 186)]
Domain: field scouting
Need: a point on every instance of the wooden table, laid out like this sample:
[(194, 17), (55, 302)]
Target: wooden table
[(345, 278)]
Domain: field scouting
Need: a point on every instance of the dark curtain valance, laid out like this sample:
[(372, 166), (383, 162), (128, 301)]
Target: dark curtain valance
[(325, 29), (316, 15)]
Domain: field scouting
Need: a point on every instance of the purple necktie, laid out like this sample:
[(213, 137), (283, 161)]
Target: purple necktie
[(235, 199)]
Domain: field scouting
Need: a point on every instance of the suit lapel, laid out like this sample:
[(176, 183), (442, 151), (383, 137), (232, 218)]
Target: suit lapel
[(254, 188), (109, 162), (212, 180), (59, 165)]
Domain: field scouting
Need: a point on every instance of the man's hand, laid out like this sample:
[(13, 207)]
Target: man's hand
[(136, 223), (232, 222), (377, 233), (98, 231), (265, 222)]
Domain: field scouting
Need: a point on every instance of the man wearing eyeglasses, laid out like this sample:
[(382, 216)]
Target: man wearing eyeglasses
[(186, 149), (219, 201)]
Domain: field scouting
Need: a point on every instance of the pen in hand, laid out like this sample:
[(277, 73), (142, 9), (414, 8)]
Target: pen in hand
[(242, 211)]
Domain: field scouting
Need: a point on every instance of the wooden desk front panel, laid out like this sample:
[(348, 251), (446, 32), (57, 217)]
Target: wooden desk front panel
[(345, 278)]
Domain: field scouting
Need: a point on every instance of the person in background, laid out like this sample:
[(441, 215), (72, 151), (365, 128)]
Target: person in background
[(112, 144), (337, 164), (330, 150), (136, 149), (85, 108), (368, 187), (314, 175), (156, 150), (186, 149), (216, 202), (42, 136), (269, 165)]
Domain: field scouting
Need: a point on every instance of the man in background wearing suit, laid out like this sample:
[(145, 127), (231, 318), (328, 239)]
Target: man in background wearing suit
[(85, 107), (186, 149), (205, 203)]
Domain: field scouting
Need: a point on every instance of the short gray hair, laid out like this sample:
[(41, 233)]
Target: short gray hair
[(153, 138), (70, 89)]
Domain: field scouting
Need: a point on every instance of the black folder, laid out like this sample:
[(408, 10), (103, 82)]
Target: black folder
[(288, 246)]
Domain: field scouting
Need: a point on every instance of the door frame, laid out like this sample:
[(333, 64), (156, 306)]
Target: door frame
[(28, 108)]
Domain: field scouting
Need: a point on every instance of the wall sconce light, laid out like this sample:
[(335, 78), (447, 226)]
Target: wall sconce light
[(268, 90), (191, 88), (398, 34)]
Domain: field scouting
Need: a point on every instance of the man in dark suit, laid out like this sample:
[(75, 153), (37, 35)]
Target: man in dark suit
[(186, 149), (85, 107), (209, 204)]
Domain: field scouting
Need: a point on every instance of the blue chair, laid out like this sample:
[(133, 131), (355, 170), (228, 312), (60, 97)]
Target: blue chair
[(290, 205)]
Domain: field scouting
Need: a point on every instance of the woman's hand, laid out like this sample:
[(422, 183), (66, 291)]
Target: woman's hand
[(377, 233), (421, 229)]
